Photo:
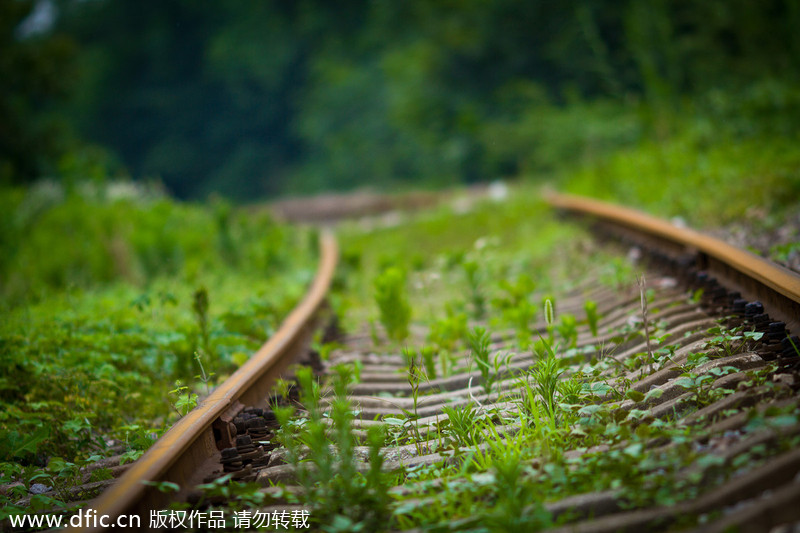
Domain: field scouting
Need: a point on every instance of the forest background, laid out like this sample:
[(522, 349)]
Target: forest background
[(260, 99)]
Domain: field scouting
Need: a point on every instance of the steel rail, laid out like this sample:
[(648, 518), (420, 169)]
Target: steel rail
[(755, 277), (178, 454)]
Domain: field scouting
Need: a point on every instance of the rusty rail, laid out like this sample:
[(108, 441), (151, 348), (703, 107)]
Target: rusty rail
[(754, 277)]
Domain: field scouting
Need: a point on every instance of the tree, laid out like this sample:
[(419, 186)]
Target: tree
[(36, 71)]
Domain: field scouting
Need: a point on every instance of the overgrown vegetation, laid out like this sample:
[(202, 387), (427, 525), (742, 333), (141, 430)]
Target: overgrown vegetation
[(579, 424), (340, 496), (108, 300)]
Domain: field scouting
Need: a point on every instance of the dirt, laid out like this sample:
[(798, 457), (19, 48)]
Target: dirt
[(775, 239)]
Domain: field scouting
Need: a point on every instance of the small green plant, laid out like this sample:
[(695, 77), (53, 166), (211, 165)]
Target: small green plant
[(478, 341), (727, 342), (200, 309), (549, 318), (447, 333), (234, 493), (409, 355), (640, 281), (324, 349), (521, 317), (512, 509), (546, 376), (476, 297), (571, 390), (783, 252), (461, 424), (415, 376), (450, 330), (592, 316), (516, 307), (696, 296), (166, 487), (391, 296), (795, 347), (428, 354), (130, 456), (617, 272), (373, 333), (63, 475), (568, 330), (665, 355), (514, 293), (137, 440), (185, 400), (203, 377), (701, 385)]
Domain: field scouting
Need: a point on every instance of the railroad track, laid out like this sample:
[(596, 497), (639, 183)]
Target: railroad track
[(706, 400)]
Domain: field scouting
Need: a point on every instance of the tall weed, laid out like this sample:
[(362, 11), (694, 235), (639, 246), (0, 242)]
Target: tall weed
[(389, 290)]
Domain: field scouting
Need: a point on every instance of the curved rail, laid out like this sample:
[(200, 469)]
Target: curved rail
[(179, 453), (755, 277)]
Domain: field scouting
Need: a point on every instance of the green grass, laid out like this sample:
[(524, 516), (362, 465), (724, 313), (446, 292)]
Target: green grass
[(390, 296), (448, 252), (709, 181), (108, 303)]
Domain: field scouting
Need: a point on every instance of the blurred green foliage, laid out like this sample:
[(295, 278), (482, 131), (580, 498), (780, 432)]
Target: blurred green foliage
[(56, 237), (729, 158), (33, 73), (272, 97), (392, 300), (508, 241)]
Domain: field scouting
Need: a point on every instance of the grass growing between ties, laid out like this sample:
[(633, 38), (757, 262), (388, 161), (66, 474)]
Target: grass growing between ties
[(461, 260), (339, 495), (390, 295), (574, 438), (119, 313), (556, 414)]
